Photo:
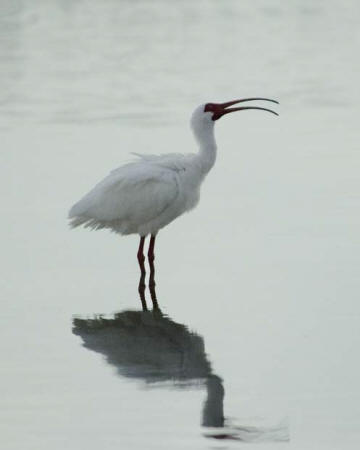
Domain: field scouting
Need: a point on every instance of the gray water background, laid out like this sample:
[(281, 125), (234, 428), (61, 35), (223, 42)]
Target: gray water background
[(262, 278)]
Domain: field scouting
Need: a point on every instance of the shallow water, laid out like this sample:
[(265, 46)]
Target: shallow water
[(258, 334)]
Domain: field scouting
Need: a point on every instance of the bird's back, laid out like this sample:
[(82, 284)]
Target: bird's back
[(173, 161)]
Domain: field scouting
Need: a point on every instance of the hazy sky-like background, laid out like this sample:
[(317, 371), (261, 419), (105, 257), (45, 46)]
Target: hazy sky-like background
[(261, 281)]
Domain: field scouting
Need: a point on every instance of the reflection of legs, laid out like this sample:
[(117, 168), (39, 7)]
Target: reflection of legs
[(151, 258), (141, 260)]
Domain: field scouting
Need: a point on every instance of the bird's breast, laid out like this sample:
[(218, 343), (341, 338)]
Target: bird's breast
[(189, 182)]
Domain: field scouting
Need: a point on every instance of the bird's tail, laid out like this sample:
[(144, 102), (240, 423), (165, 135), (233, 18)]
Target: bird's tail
[(77, 221)]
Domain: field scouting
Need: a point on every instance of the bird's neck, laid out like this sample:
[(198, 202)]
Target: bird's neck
[(205, 137)]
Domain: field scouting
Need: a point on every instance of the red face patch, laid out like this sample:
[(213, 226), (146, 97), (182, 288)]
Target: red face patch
[(216, 108)]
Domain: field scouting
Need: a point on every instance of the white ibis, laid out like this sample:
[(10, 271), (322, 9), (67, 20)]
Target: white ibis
[(146, 195)]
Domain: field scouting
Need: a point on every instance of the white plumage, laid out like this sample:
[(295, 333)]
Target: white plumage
[(145, 195), (140, 197)]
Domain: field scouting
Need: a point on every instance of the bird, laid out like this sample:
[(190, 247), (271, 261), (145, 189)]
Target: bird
[(147, 194)]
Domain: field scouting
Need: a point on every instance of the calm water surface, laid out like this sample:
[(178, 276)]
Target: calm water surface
[(258, 335)]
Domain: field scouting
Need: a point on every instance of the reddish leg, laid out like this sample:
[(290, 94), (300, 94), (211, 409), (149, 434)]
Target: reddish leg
[(152, 284), (141, 260)]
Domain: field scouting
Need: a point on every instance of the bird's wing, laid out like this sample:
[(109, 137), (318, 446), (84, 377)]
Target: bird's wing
[(136, 193)]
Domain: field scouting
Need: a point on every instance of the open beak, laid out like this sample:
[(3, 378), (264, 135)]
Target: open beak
[(220, 109)]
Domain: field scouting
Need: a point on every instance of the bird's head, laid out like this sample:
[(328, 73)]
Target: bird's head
[(208, 113)]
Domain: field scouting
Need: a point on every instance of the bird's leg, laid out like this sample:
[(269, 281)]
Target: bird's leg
[(141, 260), (152, 284)]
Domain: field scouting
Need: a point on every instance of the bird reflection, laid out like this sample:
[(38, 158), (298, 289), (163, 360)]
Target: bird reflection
[(149, 346)]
